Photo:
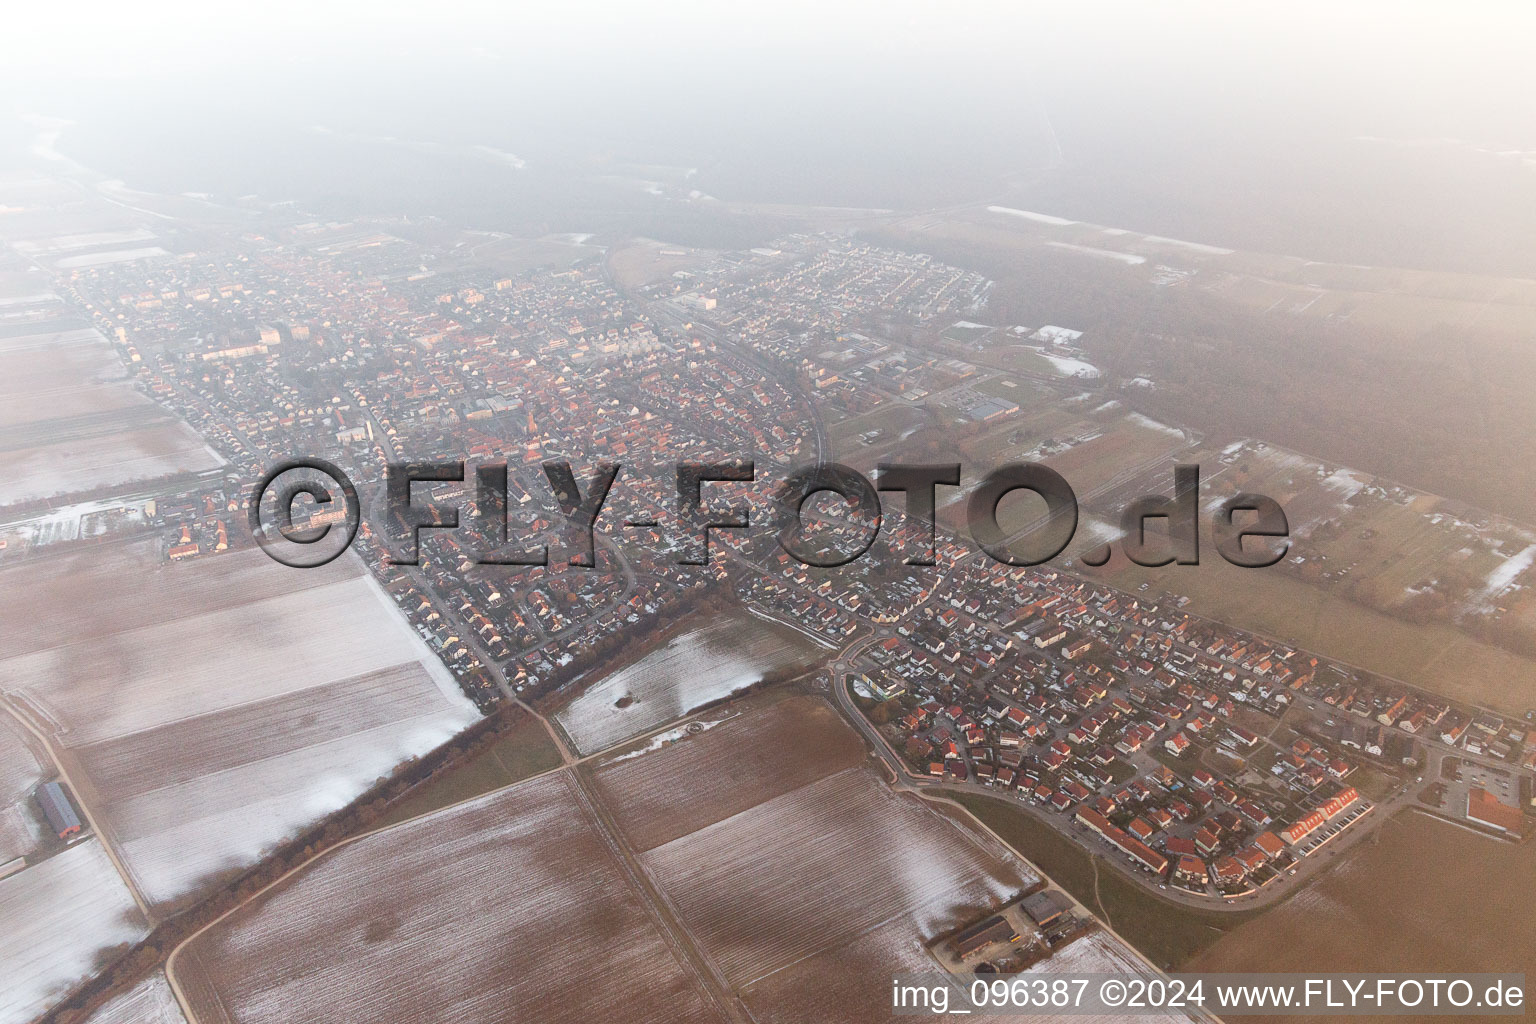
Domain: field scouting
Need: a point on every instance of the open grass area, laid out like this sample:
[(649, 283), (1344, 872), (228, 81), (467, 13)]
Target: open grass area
[(641, 261), (1166, 933), (890, 420), (1006, 387), (525, 751), (1123, 447), (1027, 393), (1374, 783), (509, 256)]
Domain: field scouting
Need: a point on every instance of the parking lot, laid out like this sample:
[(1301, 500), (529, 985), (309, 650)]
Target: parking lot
[(1459, 776)]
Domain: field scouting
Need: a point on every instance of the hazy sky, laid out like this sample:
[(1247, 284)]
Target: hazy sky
[(1448, 58), (1402, 118)]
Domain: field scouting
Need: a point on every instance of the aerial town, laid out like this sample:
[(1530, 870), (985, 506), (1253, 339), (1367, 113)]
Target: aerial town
[(766, 514), (1216, 762), (1210, 764)]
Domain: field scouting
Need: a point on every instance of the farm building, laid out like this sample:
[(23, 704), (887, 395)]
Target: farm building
[(1045, 907), (54, 801), (979, 936)]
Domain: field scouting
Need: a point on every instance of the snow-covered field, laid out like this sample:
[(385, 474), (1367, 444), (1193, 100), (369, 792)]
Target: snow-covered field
[(1100, 953), (798, 877), (1069, 367), (730, 768), (57, 916), (1093, 533), (1210, 250), (850, 984), (695, 667), (667, 737), (28, 299), (1128, 258), (510, 907), (1038, 218), (215, 707), (149, 1002), (1311, 491), (1063, 222), (1509, 570), (97, 259), (1151, 424), (827, 862), (75, 423), (64, 243), (22, 768)]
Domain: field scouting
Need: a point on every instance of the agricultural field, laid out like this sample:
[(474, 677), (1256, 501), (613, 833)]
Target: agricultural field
[(850, 984), (757, 858), (1102, 953), (20, 290), (228, 703), (526, 750), (638, 787), (849, 880), (827, 861), (699, 665), (150, 1002), (96, 259), (847, 984), (88, 240), (502, 905), (70, 421), (72, 522), (22, 768), (61, 915), (1467, 911), (842, 869)]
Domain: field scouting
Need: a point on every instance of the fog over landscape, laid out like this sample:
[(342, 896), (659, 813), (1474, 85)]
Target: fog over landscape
[(1242, 679), (1369, 133)]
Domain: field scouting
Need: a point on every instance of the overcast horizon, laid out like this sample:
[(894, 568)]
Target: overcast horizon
[(1368, 134)]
